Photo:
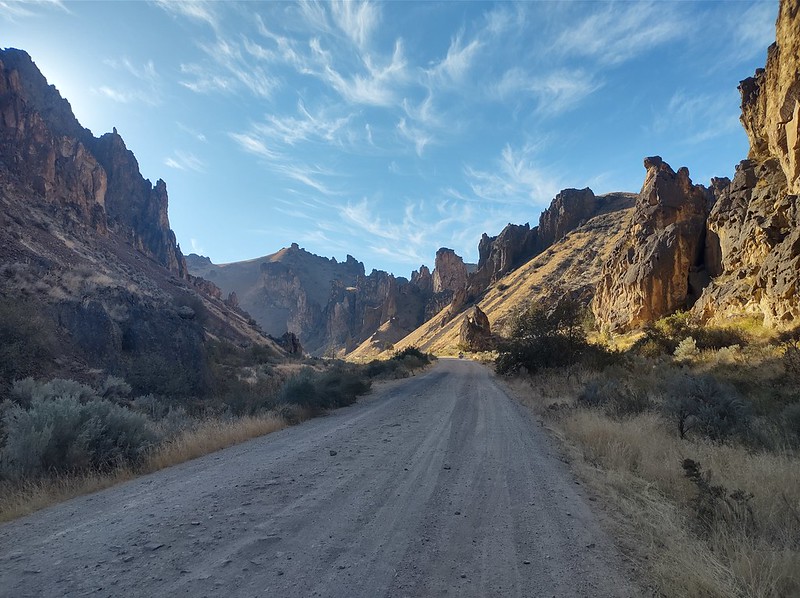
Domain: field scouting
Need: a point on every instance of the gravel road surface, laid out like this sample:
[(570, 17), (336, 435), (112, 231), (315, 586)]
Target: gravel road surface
[(438, 485)]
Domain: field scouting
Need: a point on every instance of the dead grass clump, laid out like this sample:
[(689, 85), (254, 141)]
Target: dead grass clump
[(210, 436), (20, 499)]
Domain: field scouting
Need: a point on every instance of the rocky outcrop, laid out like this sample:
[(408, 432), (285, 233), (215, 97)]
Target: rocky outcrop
[(134, 207), (450, 272), (93, 282), (753, 232), (568, 210), (475, 333), (291, 344), (657, 267), (97, 181), (501, 254), (771, 100), (330, 306)]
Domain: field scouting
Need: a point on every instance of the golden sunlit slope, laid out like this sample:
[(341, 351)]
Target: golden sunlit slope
[(571, 267)]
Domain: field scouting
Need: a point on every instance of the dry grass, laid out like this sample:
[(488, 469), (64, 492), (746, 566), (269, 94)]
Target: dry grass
[(634, 464), (17, 500), (210, 436)]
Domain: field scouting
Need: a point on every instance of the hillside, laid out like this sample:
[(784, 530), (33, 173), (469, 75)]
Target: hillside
[(92, 281), (571, 266)]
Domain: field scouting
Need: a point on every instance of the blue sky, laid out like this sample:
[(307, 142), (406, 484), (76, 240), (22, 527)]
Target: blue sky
[(388, 130)]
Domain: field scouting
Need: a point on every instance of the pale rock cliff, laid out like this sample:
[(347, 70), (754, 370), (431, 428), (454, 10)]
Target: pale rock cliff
[(657, 267), (753, 238)]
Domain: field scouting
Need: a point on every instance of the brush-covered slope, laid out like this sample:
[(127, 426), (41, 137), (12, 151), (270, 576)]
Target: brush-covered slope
[(569, 267), (92, 281)]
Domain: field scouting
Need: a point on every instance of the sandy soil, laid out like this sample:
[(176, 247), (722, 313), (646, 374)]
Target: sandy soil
[(439, 485)]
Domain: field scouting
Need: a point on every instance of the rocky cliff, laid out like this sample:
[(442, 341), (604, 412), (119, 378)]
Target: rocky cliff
[(46, 150), (657, 267), (330, 306), (733, 249), (92, 281), (753, 240)]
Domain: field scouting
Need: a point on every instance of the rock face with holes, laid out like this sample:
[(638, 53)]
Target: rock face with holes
[(657, 267)]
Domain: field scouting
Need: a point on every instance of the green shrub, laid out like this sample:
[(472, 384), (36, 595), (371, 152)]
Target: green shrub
[(790, 420), (324, 390), (617, 398), (58, 435), (411, 351), (543, 338), (705, 405), (28, 390), (715, 504), (686, 350)]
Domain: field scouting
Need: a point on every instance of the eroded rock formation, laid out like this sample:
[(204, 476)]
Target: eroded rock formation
[(657, 267), (753, 240), (475, 333)]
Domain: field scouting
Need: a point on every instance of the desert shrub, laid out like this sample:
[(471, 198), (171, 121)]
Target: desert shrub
[(340, 387), (618, 398), (300, 389), (790, 342), (663, 336), (790, 421), (413, 352), (385, 368), (336, 387), (715, 504), (705, 405), (28, 390), (114, 387), (25, 341), (544, 338), (62, 434), (686, 350)]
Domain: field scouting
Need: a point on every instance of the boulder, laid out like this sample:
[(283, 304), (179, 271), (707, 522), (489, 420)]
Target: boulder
[(475, 333)]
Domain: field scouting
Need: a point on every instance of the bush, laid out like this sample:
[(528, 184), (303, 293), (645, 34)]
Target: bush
[(25, 392), (686, 350), (616, 398), (337, 387), (411, 351), (59, 435), (715, 503), (541, 338), (704, 404)]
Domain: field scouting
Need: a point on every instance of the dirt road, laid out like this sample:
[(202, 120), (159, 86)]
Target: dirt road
[(439, 485)]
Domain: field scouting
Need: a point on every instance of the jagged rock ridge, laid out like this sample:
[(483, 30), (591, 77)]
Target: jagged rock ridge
[(93, 281)]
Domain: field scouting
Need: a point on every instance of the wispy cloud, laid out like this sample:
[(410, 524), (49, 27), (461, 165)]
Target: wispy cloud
[(417, 136), (15, 10), (357, 20), (699, 117), (196, 10), (516, 179), (754, 32), (622, 31), (556, 92), (253, 145), (375, 85), (143, 83), (181, 160), (197, 135), (306, 126), (458, 61)]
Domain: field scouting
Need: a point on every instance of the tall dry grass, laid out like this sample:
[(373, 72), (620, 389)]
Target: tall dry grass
[(19, 499), (210, 436), (634, 463)]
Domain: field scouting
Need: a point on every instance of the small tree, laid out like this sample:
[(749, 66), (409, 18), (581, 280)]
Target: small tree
[(540, 337)]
